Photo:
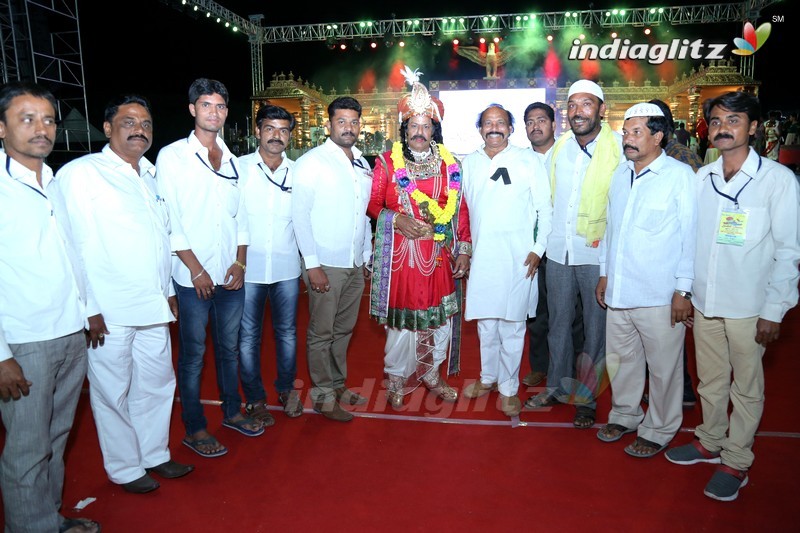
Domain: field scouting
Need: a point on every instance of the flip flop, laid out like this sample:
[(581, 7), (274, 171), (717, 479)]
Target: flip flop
[(605, 437), (241, 426), (653, 448), (210, 441)]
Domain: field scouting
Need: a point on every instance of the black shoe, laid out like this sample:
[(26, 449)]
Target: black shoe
[(170, 469), (142, 485)]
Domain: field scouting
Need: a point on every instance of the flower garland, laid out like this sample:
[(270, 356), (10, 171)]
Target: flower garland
[(441, 216)]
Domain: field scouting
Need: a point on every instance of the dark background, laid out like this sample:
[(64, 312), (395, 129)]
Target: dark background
[(153, 49)]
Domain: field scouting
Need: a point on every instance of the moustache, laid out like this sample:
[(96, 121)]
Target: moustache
[(276, 141), (42, 138), (723, 136), (501, 134), (630, 147), (418, 137), (139, 137)]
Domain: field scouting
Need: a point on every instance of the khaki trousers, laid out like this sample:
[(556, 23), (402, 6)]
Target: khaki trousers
[(724, 346), (332, 317)]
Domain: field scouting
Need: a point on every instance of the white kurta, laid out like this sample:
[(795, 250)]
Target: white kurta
[(503, 214)]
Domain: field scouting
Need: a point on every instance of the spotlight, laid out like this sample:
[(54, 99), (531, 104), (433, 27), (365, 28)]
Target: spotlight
[(373, 45)]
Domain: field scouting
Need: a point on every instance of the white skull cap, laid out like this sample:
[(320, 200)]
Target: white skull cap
[(586, 86), (643, 110)]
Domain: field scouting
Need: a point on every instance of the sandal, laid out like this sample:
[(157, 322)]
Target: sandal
[(259, 412), (541, 400), (79, 525), (584, 417), (244, 426), (646, 448), (204, 446), (613, 432)]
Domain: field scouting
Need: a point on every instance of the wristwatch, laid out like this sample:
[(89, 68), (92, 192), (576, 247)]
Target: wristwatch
[(685, 294)]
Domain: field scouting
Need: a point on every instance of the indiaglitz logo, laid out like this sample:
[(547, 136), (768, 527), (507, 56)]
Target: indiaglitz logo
[(753, 39), (655, 54)]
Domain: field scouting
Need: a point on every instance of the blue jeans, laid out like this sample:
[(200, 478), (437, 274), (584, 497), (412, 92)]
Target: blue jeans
[(225, 309), (282, 296)]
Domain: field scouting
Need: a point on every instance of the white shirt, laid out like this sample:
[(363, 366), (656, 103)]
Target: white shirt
[(206, 209), (648, 249), (40, 292), (272, 255), (759, 278), (329, 207), (120, 228), (570, 172), (502, 219)]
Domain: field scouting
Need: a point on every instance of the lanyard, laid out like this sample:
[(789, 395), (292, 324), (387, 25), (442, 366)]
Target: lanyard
[(34, 189), (282, 185), (634, 177), (359, 164), (734, 199), (234, 177)]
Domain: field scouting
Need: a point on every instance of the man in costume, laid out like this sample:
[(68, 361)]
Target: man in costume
[(507, 192), (422, 246)]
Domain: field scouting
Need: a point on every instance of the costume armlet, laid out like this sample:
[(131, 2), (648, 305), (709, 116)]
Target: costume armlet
[(465, 248)]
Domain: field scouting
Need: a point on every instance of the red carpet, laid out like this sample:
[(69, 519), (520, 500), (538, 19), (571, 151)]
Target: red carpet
[(442, 467)]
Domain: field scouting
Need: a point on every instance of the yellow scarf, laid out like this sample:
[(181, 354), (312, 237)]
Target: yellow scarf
[(591, 222)]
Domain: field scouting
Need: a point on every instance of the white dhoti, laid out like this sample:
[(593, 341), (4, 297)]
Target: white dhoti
[(501, 342), (132, 392)]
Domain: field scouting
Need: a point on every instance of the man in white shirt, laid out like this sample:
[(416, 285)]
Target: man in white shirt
[(42, 303), (540, 125), (273, 262), (582, 163), (120, 228), (330, 193), (746, 274), (198, 177), (501, 290), (646, 272)]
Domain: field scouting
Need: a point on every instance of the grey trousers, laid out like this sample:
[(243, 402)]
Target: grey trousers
[(538, 349), (565, 284), (37, 429), (332, 317)]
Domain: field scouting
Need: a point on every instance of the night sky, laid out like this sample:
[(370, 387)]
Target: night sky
[(153, 49)]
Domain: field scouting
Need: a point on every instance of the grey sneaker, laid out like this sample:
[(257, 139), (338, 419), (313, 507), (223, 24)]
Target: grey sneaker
[(692, 453), (291, 403), (725, 484)]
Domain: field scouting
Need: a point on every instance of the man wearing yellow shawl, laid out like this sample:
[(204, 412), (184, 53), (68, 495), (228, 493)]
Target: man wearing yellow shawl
[(582, 163)]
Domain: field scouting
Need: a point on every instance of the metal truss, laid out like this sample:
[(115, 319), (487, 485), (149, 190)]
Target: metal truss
[(41, 42), (464, 25), (518, 22)]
